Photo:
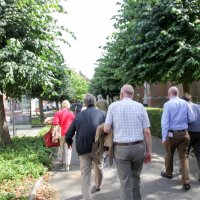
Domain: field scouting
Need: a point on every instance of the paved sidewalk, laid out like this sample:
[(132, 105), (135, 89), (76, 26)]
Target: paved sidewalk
[(153, 186), (24, 130)]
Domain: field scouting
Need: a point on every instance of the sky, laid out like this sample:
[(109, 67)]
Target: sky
[(90, 20)]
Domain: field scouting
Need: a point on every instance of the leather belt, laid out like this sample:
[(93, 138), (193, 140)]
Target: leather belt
[(176, 131), (128, 143)]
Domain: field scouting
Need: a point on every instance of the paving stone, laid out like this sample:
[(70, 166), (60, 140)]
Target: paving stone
[(153, 186)]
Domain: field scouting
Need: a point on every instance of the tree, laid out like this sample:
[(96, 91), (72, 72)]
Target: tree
[(79, 86), (156, 41), (114, 66), (28, 50), (169, 50), (105, 81), (59, 89)]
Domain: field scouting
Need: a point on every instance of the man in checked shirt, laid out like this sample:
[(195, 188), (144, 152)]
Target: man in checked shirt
[(130, 124)]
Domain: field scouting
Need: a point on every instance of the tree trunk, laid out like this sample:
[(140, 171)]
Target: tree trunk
[(41, 110), (186, 87), (4, 132), (57, 106)]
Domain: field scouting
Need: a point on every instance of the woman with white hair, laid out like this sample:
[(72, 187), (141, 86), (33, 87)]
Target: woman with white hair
[(63, 119)]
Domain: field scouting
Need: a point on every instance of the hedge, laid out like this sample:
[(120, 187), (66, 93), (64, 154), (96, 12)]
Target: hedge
[(155, 120), (21, 163)]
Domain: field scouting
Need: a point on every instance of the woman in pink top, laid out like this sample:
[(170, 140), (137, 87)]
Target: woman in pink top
[(64, 118)]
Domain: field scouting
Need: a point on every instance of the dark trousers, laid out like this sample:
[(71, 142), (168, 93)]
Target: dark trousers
[(179, 141), (195, 144)]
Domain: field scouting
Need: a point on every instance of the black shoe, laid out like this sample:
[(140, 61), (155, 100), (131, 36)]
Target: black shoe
[(94, 189), (163, 174), (186, 186), (98, 189)]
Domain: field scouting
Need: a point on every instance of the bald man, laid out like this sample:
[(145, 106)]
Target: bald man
[(176, 115), (130, 124)]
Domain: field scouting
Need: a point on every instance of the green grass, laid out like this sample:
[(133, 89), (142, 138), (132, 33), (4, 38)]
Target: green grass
[(24, 160), (36, 121)]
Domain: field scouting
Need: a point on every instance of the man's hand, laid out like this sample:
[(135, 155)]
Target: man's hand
[(147, 158), (164, 143), (107, 128)]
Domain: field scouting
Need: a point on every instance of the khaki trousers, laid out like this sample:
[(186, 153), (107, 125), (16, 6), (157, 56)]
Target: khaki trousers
[(86, 161), (179, 141)]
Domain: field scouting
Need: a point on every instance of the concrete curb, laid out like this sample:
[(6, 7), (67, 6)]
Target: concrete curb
[(35, 188), (37, 184)]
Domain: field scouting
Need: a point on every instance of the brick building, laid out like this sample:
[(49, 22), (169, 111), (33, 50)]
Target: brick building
[(155, 95)]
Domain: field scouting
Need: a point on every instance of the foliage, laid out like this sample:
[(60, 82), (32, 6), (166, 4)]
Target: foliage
[(166, 44), (104, 81), (25, 158), (35, 121), (69, 85), (30, 57), (154, 41), (79, 86), (28, 49), (155, 115)]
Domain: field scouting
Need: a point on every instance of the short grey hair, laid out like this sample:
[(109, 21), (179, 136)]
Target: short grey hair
[(99, 97), (89, 100), (173, 91), (127, 89)]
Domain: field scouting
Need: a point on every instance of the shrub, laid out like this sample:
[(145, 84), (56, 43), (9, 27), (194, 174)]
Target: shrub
[(24, 160), (36, 121), (155, 120)]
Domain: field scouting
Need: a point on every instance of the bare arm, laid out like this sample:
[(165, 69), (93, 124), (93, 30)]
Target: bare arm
[(147, 135), (107, 128)]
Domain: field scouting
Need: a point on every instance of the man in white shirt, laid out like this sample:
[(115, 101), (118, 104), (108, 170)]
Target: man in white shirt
[(130, 124)]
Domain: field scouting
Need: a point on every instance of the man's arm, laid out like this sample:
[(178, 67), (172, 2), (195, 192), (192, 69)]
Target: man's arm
[(107, 128), (147, 136), (108, 121), (191, 115), (165, 123), (70, 134)]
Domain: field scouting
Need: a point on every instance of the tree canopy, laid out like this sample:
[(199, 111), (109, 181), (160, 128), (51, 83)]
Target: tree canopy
[(155, 41), (28, 50), (30, 59)]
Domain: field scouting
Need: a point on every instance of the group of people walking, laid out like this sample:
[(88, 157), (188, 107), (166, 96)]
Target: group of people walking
[(127, 124)]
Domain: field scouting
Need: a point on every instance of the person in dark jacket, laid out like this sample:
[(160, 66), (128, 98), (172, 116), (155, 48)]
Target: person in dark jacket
[(194, 130), (76, 107), (85, 125)]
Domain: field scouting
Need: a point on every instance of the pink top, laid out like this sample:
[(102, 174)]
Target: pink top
[(63, 118)]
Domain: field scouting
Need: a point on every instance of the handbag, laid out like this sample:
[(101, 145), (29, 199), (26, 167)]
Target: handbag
[(48, 139)]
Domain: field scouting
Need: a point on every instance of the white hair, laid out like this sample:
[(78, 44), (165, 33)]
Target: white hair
[(65, 104)]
